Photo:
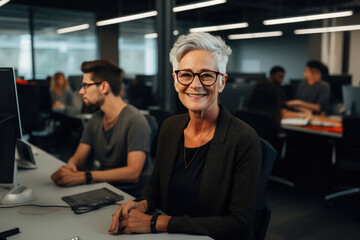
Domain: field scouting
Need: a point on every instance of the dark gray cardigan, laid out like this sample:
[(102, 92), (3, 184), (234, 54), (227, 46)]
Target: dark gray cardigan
[(229, 182)]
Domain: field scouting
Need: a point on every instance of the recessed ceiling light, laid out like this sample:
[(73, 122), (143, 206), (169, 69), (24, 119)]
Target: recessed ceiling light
[(72, 29), (308, 18), (327, 29), (127, 18), (3, 2), (198, 5), (255, 35), (219, 27)]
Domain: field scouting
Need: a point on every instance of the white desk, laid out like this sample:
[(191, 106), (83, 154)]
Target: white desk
[(64, 223), (320, 132)]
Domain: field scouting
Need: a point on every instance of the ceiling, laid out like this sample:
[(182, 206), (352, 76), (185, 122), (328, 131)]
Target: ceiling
[(233, 11)]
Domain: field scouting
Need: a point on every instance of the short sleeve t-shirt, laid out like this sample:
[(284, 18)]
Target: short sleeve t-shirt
[(130, 133), (318, 93)]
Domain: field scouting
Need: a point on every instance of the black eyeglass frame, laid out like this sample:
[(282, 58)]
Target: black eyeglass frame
[(199, 75), (86, 85)]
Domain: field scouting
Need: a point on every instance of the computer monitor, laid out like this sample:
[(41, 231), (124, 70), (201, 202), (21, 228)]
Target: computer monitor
[(9, 103), (351, 96), (8, 124), (236, 77), (10, 129), (336, 82)]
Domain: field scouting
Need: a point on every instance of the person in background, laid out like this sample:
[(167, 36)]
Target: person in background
[(313, 94), (61, 96), (267, 96), (277, 74), (118, 134), (207, 171)]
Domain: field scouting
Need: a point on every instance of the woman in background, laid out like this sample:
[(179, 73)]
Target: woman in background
[(61, 96)]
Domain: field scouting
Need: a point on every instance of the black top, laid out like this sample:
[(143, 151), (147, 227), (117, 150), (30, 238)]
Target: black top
[(184, 183)]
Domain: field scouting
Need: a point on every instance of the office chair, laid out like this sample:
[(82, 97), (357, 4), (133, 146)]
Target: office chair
[(263, 209), (154, 132), (268, 129), (160, 116), (346, 154)]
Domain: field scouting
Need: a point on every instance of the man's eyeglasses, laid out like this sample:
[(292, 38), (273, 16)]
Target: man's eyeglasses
[(86, 85), (207, 78)]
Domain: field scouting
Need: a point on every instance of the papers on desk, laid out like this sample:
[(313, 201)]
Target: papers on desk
[(295, 121)]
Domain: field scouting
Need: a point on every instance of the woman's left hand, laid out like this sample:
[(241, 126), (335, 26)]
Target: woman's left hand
[(136, 222)]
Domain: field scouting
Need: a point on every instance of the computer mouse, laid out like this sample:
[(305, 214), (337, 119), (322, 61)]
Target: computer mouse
[(19, 194)]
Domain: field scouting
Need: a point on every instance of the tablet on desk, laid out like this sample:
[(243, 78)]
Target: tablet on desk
[(25, 157), (92, 200)]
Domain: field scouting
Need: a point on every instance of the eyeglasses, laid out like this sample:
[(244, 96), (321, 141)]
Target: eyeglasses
[(86, 85), (207, 78)]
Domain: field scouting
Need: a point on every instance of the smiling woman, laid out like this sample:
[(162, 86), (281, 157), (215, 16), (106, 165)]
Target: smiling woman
[(208, 162)]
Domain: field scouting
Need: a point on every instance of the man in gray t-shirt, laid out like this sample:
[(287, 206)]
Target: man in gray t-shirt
[(131, 132), (118, 133), (313, 94)]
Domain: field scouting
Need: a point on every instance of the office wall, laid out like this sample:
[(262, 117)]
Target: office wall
[(354, 57), (259, 55)]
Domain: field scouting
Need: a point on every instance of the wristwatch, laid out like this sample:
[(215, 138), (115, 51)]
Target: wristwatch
[(88, 177)]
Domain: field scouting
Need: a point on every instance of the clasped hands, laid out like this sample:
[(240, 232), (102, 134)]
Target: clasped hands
[(68, 175), (131, 218)]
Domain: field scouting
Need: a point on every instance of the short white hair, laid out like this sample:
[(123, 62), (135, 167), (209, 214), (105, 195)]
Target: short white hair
[(201, 41)]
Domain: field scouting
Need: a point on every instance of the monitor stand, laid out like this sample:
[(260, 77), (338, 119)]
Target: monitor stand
[(18, 195)]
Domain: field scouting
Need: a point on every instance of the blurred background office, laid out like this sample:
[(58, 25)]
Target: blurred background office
[(41, 38)]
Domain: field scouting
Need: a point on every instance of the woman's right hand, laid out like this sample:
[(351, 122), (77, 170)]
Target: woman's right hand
[(123, 213)]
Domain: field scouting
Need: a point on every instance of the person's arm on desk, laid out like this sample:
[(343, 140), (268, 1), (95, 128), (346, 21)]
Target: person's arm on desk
[(291, 114), (302, 104), (68, 175), (131, 218)]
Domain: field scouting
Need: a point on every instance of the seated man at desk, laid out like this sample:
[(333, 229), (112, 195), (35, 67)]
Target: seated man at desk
[(313, 94), (118, 133)]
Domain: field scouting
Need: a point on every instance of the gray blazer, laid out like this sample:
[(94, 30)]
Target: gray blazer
[(229, 183)]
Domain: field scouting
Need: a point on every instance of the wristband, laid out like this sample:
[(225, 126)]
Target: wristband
[(88, 177), (153, 222)]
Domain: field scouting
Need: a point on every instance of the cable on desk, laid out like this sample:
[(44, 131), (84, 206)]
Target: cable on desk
[(34, 205), (20, 211)]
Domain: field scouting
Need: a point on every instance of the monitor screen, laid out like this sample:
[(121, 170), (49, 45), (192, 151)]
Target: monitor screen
[(8, 96), (7, 147)]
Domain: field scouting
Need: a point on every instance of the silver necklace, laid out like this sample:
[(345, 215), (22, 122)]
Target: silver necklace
[(197, 150)]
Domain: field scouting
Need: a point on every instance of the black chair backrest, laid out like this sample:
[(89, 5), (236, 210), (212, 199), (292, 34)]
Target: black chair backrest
[(263, 208), (154, 133), (262, 123)]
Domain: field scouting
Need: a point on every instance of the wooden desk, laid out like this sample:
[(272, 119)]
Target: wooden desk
[(64, 223)]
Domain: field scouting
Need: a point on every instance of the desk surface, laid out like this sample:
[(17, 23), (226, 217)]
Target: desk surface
[(64, 223), (318, 129)]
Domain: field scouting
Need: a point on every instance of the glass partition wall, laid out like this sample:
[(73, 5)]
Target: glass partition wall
[(62, 52), (15, 40)]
